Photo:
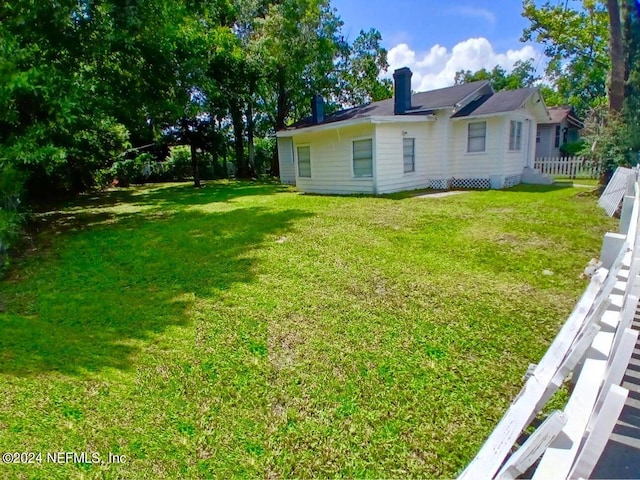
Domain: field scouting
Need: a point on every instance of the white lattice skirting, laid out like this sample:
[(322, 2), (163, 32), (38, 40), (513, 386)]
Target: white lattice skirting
[(512, 181), (439, 184), (471, 183)]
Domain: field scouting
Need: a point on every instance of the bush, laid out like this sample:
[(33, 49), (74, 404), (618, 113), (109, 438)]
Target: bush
[(179, 163), (265, 149), (144, 168), (11, 189), (10, 225), (126, 172), (572, 149), (611, 139)]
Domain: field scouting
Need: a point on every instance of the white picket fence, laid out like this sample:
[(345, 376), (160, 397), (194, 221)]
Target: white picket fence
[(595, 345), (572, 167)]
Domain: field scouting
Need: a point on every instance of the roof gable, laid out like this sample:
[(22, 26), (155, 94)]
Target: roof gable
[(500, 102), (560, 114)]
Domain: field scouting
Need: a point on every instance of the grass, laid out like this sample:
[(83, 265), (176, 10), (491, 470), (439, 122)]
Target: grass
[(245, 330), (593, 182)]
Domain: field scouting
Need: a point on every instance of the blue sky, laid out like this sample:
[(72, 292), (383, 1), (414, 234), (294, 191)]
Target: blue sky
[(437, 38)]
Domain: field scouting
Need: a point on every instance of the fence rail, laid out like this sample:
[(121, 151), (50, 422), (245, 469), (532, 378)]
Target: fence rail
[(572, 167), (598, 336)]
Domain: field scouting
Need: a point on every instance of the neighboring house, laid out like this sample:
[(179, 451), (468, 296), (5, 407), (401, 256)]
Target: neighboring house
[(465, 136), (563, 127)]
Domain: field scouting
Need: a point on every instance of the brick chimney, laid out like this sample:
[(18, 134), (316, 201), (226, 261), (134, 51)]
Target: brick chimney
[(402, 90), (317, 109)]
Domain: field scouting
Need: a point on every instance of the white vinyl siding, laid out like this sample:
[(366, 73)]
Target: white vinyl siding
[(515, 136), (409, 154), (332, 161), (477, 137), (389, 153), (463, 164), (363, 158), (304, 162), (285, 159)]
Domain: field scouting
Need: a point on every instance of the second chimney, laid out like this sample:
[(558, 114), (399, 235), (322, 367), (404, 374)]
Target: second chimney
[(317, 109), (402, 90)]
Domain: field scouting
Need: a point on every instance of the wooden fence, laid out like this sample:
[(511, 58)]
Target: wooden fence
[(595, 346), (572, 167)]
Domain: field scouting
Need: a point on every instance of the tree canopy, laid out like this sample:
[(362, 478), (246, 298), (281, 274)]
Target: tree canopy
[(82, 83), (522, 75), (592, 53)]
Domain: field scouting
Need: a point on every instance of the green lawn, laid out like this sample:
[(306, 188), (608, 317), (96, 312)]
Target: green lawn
[(245, 330)]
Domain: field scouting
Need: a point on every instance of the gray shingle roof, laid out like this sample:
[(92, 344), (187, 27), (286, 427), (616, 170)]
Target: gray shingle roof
[(500, 102), (422, 103)]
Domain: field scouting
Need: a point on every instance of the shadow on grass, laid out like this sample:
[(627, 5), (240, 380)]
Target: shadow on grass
[(175, 194), (86, 300), (427, 192), (160, 197)]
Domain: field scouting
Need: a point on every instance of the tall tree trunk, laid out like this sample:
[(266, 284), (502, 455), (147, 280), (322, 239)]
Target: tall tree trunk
[(616, 50), (238, 134), (250, 147), (224, 150), (194, 166), (281, 116)]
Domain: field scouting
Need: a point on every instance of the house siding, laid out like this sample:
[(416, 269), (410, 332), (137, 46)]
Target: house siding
[(546, 147), (285, 161), (465, 165), (515, 161), (389, 155), (331, 161)]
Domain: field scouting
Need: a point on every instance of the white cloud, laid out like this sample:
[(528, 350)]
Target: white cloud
[(437, 67)]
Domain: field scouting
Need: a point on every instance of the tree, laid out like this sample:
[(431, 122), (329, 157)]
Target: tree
[(616, 50), (612, 131), (53, 125), (300, 42), (358, 71), (575, 42), (81, 82), (521, 76)]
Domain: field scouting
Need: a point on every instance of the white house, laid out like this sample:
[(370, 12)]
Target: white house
[(465, 136)]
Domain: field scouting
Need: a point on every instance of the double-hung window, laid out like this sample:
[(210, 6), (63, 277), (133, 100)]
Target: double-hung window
[(477, 137), (515, 136), (363, 158), (409, 154), (304, 162)]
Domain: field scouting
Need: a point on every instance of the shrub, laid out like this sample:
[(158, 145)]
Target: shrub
[(573, 149), (265, 149), (126, 172), (179, 162), (611, 139), (11, 189)]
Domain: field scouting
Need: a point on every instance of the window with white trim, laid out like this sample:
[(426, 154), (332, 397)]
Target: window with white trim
[(409, 154), (304, 161), (363, 158), (515, 136), (477, 137)]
